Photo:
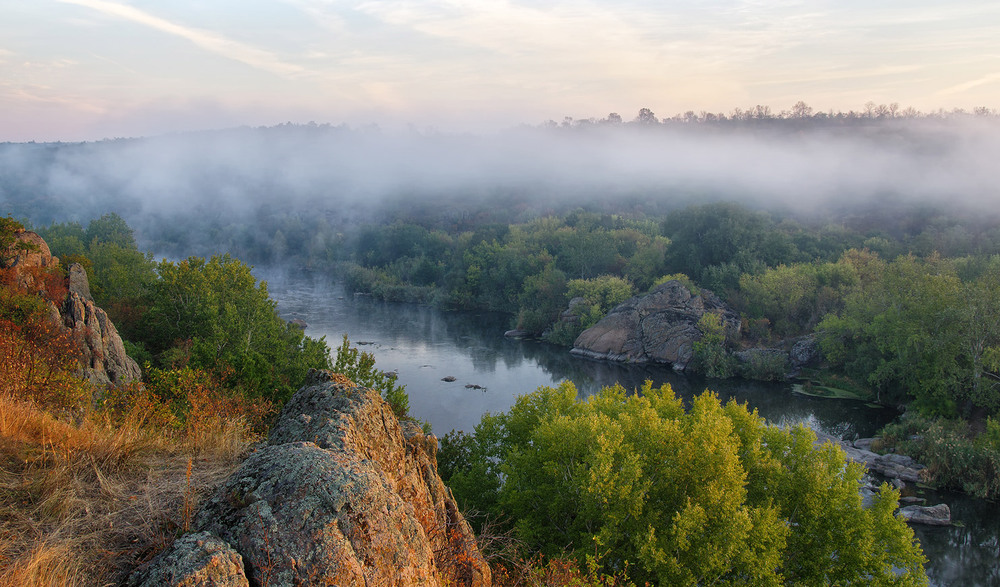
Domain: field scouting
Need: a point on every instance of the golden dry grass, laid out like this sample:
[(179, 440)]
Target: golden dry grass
[(84, 503)]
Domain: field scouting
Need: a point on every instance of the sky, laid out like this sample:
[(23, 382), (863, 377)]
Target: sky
[(92, 69)]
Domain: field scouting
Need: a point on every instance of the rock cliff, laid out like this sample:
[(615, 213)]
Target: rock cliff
[(658, 327), (103, 360), (343, 494)]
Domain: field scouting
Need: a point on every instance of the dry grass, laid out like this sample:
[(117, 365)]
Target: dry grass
[(83, 504)]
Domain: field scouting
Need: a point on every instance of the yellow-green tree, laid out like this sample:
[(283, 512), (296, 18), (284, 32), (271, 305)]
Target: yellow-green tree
[(711, 495)]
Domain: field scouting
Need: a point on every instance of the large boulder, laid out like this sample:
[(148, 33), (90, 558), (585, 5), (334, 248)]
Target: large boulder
[(658, 327), (343, 494)]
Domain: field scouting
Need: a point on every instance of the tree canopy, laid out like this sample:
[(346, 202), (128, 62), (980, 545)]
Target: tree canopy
[(709, 495)]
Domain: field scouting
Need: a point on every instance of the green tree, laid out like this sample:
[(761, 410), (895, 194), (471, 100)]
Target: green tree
[(359, 367), (901, 330), (232, 326), (712, 495), (65, 239), (110, 228), (716, 243), (710, 354)]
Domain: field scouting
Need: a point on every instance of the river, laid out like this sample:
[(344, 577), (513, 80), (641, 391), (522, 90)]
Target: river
[(425, 345)]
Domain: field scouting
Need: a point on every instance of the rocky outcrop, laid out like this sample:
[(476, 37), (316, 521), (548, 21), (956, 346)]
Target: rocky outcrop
[(659, 327), (103, 361), (898, 469), (344, 494), (805, 352), (36, 254), (79, 283)]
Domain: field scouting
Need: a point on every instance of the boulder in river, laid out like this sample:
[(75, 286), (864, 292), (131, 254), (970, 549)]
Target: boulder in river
[(935, 515), (658, 327)]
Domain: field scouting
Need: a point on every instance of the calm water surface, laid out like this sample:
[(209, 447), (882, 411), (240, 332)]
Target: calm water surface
[(424, 345)]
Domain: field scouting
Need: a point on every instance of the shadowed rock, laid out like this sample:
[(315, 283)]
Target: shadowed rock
[(103, 360)]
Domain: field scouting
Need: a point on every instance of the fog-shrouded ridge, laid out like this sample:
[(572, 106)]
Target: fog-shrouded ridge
[(347, 174)]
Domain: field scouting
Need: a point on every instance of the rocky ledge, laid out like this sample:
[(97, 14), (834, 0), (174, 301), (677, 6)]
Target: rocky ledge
[(900, 469), (891, 466), (343, 494)]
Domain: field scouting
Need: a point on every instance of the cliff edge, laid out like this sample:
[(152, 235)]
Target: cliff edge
[(343, 494)]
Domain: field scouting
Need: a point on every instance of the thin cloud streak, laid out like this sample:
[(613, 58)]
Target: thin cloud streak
[(252, 56), (958, 89)]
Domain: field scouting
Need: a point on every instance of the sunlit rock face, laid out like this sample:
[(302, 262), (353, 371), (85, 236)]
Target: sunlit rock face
[(658, 327), (38, 255), (344, 495)]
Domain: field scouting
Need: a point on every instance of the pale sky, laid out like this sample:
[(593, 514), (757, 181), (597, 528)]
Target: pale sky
[(92, 69)]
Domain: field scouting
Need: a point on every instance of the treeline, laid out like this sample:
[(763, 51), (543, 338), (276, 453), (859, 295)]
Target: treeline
[(786, 277), (800, 113)]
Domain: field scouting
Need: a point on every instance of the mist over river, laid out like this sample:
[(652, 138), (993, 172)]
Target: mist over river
[(424, 345)]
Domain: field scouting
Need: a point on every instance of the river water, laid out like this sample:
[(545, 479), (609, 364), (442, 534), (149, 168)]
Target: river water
[(424, 345)]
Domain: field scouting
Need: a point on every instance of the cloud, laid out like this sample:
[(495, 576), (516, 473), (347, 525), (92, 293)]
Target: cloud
[(964, 87), (214, 43)]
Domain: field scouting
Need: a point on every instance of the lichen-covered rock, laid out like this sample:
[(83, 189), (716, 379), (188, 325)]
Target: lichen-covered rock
[(200, 559), (658, 327), (344, 495)]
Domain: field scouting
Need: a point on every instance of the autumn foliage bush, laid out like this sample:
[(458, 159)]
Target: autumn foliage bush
[(39, 354), (88, 492)]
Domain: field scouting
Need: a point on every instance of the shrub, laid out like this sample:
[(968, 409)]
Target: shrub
[(359, 367)]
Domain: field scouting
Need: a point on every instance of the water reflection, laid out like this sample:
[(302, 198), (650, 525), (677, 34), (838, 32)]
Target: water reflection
[(967, 553), (425, 345)]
